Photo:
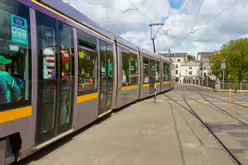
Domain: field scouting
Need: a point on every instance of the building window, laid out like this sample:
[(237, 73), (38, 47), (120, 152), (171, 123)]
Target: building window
[(190, 68), (87, 63), (190, 72), (129, 69), (176, 71), (178, 60), (146, 70), (15, 55), (176, 66)]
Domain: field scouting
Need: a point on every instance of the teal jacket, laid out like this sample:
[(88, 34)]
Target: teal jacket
[(10, 86)]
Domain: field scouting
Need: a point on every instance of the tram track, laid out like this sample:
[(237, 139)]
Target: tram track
[(193, 113), (223, 100), (217, 97), (217, 108)]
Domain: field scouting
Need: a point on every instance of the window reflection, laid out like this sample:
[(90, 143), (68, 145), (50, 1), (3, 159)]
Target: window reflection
[(166, 72), (130, 69), (15, 54), (87, 63), (146, 70)]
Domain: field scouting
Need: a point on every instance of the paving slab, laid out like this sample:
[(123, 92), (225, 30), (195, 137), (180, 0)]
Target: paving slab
[(145, 133)]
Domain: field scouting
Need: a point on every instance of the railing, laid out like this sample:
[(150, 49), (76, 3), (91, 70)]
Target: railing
[(235, 85)]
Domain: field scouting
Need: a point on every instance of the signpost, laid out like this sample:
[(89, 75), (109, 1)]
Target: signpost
[(223, 67)]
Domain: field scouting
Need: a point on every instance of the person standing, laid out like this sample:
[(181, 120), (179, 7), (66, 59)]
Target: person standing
[(8, 87)]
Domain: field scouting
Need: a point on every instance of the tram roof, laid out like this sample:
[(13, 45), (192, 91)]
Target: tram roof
[(73, 13), (165, 59), (126, 43), (148, 53)]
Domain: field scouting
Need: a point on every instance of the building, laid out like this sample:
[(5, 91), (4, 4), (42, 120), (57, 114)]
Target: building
[(204, 56), (191, 69), (177, 59)]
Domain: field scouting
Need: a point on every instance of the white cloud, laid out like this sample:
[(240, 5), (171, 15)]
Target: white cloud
[(133, 26)]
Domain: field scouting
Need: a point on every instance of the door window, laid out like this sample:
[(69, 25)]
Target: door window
[(66, 73), (47, 44), (157, 71), (15, 55), (166, 72), (146, 70), (152, 71), (134, 69)]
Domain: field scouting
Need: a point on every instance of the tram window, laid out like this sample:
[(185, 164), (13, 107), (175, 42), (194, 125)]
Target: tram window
[(157, 71), (134, 69), (87, 63), (15, 55), (146, 70), (166, 73), (125, 69)]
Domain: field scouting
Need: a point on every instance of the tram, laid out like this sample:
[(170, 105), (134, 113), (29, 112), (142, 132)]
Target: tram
[(60, 71)]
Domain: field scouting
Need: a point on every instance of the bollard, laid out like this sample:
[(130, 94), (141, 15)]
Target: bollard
[(230, 97), (178, 86), (155, 92)]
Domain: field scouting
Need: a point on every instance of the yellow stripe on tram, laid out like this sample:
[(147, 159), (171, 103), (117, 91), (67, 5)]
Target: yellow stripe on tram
[(15, 114), (157, 84), (166, 83), (81, 99), (129, 88), (146, 85)]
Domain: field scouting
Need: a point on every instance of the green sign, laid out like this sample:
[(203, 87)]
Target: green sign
[(168, 68), (19, 30)]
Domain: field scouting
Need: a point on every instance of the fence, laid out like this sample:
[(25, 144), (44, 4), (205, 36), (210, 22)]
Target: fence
[(212, 83)]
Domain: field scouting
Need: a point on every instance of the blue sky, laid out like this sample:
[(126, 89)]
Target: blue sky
[(176, 4)]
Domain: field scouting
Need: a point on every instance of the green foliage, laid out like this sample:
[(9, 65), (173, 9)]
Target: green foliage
[(190, 58), (236, 54)]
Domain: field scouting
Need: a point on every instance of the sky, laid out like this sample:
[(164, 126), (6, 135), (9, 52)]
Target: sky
[(179, 17)]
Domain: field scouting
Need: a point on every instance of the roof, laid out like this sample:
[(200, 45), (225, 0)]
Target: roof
[(192, 63), (126, 43), (73, 13), (174, 54), (146, 52), (206, 53), (165, 59)]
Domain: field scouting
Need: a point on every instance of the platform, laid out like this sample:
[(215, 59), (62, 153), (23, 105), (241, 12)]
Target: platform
[(145, 133)]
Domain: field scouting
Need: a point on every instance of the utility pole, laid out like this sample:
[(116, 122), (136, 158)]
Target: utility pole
[(154, 36), (202, 72)]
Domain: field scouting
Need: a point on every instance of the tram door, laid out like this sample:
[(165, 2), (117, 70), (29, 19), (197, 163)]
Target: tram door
[(152, 76), (106, 77), (56, 78)]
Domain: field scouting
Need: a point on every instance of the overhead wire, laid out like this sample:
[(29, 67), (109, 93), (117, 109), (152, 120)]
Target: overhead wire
[(197, 14), (216, 16), (140, 11)]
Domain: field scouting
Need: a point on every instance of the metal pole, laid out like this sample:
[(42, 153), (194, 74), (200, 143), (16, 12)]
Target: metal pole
[(155, 93), (202, 72), (207, 80), (153, 45), (223, 79)]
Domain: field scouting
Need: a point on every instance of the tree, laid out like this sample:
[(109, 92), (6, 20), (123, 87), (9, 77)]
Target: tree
[(190, 58), (236, 54)]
